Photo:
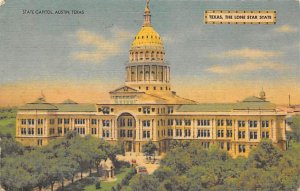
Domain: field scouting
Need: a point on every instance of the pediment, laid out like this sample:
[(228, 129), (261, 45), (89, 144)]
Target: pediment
[(124, 89)]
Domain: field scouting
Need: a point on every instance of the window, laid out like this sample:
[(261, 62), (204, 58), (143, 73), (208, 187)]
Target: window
[(59, 121), (40, 121), (23, 121), (220, 133), (40, 131), (205, 145), (187, 122), (23, 131), (122, 122), (122, 133), (66, 121), (105, 110), (130, 122), (146, 134), (146, 123), (241, 123), (105, 123), (39, 142), (228, 122), (59, 130), (129, 133), (252, 123), (81, 131), (170, 110), (242, 148), (170, 132), (228, 146), (66, 130), (229, 133), (170, 122), (264, 123), (221, 145), (241, 134), (253, 135), (79, 121), (178, 122), (94, 131), (51, 131), (94, 121), (203, 122), (265, 134), (146, 110), (187, 133), (30, 121), (105, 133), (220, 122), (52, 121), (203, 133), (178, 132)]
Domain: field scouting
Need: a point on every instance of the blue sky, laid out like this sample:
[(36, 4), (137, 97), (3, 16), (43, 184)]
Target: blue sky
[(208, 62)]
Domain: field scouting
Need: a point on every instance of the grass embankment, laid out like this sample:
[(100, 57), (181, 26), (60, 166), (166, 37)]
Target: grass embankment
[(8, 121)]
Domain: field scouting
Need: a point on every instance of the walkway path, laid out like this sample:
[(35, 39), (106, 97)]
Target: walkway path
[(141, 160)]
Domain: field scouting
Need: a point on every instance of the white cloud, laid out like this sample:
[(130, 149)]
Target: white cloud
[(286, 29), (2, 2), (103, 48), (248, 53), (246, 67)]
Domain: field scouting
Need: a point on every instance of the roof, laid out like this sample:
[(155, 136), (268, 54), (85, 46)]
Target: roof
[(147, 36), (250, 103), (66, 106), (206, 107), (82, 107), (39, 104), (253, 99)]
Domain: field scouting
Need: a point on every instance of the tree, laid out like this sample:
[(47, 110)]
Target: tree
[(295, 127), (10, 147), (14, 176), (264, 155), (149, 149), (144, 182)]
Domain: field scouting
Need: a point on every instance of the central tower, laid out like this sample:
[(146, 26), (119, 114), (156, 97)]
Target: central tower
[(147, 70)]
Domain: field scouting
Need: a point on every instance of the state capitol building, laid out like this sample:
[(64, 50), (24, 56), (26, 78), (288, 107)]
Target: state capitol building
[(146, 108)]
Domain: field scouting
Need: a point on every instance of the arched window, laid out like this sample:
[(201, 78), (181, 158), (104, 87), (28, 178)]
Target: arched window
[(147, 55)]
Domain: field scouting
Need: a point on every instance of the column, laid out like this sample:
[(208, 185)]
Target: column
[(87, 126), (100, 129), (247, 130), (192, 128), (136, 74), (115, 129), (174, 129), (274, 129), (259, 129), (154, 130), (137, 129), (213, 129)]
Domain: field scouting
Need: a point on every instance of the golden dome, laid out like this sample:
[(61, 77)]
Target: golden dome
[(147, 36)]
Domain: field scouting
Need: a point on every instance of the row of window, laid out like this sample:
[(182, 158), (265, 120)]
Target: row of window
[(122, 122), (146, 110), (123, 133)]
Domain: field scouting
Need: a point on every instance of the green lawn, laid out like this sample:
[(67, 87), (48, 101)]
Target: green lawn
[(8, 126), (106, 186)]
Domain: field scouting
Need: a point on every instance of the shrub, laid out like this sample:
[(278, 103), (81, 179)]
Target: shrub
[(97, 185)]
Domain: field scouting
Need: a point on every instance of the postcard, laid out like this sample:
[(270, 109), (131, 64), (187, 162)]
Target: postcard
[(149, 95)]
